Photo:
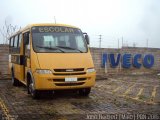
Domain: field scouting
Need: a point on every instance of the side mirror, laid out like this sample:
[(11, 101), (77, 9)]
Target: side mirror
[(26, 38), (86, 38)]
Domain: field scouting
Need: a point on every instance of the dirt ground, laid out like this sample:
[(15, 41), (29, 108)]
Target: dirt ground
[(136, 96)]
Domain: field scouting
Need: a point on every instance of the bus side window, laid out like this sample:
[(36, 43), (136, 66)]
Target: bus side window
[(11, 45), (12, 42), (28, 46), (16, 41), (26, 38), (20, 39)]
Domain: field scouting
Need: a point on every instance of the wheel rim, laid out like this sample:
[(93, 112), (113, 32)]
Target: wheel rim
[(12, 77), (31, 88)]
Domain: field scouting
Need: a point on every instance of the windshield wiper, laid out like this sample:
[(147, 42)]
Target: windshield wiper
[(51, 48), (65, 47)]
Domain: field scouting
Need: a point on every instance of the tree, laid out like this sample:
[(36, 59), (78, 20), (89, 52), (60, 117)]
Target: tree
[(7, 30)]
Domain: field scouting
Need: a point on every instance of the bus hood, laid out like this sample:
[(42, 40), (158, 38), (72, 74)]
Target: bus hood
[(65, 60)]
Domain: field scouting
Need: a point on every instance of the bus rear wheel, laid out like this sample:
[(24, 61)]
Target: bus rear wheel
[(84, 91), (15, 82)]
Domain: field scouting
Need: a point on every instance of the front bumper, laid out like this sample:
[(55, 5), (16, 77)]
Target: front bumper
[(57, 82)]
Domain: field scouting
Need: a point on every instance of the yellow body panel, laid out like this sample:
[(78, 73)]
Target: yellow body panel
[(64, 60), (53, 61)]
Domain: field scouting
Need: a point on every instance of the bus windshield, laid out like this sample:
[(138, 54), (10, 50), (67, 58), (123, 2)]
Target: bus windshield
[(58, 39)]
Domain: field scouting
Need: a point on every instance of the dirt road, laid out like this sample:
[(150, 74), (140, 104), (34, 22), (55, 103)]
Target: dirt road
[(137, 95)]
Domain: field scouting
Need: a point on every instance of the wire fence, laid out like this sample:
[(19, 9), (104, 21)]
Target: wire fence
[(112, 42)]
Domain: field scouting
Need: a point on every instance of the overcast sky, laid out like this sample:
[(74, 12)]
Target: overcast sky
[(134, 20)]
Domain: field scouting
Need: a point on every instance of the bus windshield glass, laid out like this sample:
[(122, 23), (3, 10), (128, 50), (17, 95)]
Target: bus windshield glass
[(57, 39)]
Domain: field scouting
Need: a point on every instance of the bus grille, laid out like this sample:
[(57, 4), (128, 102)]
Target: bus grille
[(69, 70), (80, 73)]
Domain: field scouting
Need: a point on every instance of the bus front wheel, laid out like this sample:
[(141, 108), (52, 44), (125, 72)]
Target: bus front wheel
[(34, 93), (84, 91)]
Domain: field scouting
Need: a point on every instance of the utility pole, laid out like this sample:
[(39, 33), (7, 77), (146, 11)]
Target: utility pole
[(118, 43), (147, 43), (122, 41), (100, 40), (134, 44), (54, 19)]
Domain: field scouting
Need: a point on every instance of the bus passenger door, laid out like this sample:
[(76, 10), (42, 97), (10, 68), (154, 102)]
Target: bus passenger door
[(27, 63)]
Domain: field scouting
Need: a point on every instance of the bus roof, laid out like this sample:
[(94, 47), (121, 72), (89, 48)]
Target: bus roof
[(48, 24), (41, 24)]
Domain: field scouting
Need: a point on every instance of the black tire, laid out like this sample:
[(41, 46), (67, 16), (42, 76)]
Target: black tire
[(15, 82), (84, 91), (31, 90)]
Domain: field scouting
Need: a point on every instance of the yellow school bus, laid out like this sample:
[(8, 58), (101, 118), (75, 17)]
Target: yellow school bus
[(47, 57)]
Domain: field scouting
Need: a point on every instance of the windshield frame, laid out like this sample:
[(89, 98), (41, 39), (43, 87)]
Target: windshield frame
[(85, 42)]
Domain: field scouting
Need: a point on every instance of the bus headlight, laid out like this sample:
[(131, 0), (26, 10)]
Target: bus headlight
[(40, 71), (90, 70)]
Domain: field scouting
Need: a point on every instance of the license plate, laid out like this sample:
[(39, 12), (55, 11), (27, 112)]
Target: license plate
[(72, 79)]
